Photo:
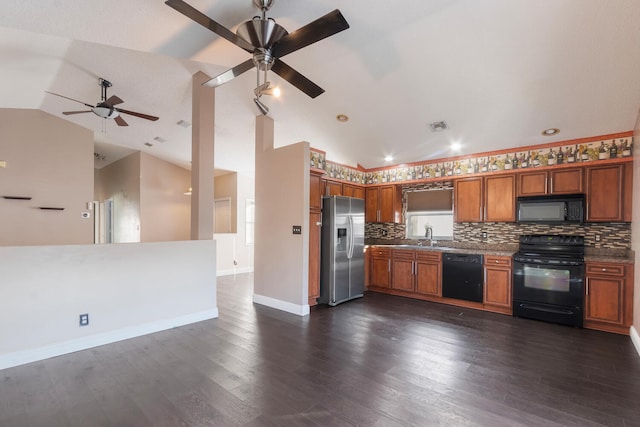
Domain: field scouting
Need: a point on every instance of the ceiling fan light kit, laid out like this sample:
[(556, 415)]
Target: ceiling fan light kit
[(106, 108), (267, 42)]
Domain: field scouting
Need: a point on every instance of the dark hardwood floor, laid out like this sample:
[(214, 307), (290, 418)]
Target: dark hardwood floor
[(377, 361)]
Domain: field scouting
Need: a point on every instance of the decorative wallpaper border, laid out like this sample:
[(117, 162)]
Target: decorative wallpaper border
[(481, 163)]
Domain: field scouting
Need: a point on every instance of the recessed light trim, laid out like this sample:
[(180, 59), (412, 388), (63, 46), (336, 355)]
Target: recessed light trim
[(342, 118), (159, 139), (148, 144), (388, 158), (550, 132), (438, 126)]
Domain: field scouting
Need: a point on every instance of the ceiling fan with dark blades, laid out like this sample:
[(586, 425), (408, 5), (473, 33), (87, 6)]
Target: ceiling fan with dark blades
[(268, 42), (106, 108)]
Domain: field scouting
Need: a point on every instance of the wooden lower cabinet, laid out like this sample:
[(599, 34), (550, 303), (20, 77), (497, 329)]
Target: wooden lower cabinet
[(608, 302), (314, 257), (402, 270), (498, 284), (428, 271), (379, 268)]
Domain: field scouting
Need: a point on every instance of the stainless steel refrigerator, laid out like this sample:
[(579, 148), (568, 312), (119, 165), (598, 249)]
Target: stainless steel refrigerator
[(342, 250)]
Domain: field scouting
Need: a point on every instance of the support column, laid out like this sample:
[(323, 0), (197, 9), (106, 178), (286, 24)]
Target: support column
[(202, 145)]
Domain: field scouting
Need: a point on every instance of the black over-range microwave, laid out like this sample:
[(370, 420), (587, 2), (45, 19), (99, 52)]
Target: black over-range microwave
[(551, 209)]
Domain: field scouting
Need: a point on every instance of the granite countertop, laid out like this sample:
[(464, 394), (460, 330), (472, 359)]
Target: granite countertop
[(626, 256), (447, 246)]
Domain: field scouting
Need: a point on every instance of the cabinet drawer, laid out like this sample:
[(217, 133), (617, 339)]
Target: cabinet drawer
[(605, 269), (380, 252), (497, 260), (403, 253), (428, 256)]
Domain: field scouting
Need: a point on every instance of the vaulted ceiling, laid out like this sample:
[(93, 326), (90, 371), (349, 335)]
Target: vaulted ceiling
[(498, 71)]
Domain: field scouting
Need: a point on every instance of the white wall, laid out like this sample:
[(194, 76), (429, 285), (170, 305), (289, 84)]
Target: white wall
[(127, 289), (282, 200)]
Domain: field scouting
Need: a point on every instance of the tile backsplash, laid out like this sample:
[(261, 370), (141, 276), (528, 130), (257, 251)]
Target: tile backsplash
[(611, 235)]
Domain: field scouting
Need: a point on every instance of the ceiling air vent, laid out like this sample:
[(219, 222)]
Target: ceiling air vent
[(438, 126)]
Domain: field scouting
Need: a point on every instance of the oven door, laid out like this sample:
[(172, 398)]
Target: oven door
[(549, 281)]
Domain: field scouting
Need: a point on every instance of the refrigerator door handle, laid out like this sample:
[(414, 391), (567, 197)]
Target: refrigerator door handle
[(350, 240)]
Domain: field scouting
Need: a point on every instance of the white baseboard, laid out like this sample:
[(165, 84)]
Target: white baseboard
[(635, 338), (27, 356), (300, 310), (233, 271)]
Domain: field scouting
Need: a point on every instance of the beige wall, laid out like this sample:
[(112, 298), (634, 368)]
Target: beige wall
[(226, 186), (234, 254), (635, 229), (120, 181), (165, 211), (50, 160), (282, 200)]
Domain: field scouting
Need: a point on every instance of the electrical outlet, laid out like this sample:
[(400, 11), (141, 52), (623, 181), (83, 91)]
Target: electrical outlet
[(297, 229), (597, 238), (84, 319), (484, 234)]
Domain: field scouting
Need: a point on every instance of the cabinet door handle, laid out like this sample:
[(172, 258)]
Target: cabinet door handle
[(389, 265), (587, 289), (545, 185), (551, 185)]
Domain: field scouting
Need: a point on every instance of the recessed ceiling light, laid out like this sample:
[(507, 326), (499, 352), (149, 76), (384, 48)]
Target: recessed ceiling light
[(456, 146), (184, 124), (159, 139), (438, 126), (550, 132), (148, 144), (342, 118), (388, 158)]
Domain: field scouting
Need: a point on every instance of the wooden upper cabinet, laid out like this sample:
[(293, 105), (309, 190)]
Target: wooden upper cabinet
[(566, 181), (332, 188), (605, 190), (353, 191), (562, 181), (467, 195), (315, 191), (383, 204), (627, 192), (371, 205), (489, 199), (532, 183), (500, 198)]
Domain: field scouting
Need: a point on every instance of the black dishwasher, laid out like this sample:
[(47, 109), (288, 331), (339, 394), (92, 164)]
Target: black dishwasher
[(462, 276)]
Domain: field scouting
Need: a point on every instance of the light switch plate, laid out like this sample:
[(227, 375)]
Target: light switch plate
[(297, 229)]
